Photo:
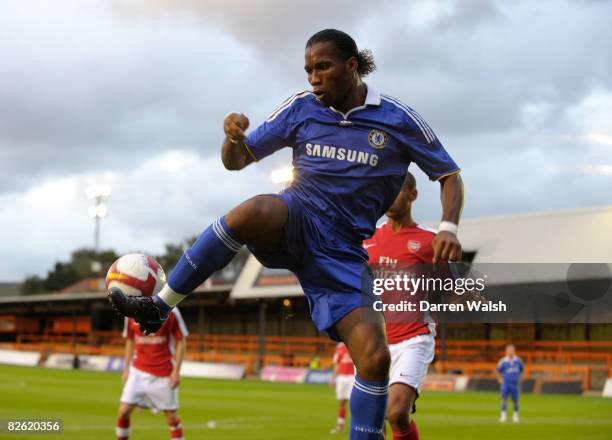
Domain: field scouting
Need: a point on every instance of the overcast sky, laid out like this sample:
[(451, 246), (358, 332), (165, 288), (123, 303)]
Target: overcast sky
[(133, 94)]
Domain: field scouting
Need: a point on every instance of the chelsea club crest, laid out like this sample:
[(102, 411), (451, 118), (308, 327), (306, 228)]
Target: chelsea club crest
[(377, 139)]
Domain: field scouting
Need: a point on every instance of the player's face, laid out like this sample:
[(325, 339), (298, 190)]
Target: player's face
[(330, 76), (402, 203), (399, 206), (510, 351)]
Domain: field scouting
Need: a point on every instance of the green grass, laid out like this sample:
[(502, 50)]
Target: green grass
[(87, 402)]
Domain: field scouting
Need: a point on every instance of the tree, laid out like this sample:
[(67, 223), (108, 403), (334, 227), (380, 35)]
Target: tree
[(84, 263), (173, 253), (32, 284), (84, 260), (87, 263), (63, 275)]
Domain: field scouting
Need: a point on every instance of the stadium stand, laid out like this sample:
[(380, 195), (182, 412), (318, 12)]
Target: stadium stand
[(586, 361)]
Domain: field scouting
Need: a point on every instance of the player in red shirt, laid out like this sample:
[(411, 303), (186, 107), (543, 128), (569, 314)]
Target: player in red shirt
[(344, 377), (401, 246), (151, 372)]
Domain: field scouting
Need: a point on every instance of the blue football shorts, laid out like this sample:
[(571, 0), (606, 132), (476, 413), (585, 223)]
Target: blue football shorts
[(330, 265), (510, 390)]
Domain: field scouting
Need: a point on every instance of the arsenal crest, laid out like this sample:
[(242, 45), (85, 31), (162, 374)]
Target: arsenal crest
[(414, 246)]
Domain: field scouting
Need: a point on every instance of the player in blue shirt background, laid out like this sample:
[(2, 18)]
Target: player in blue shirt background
[(351, 150), (509, 371)]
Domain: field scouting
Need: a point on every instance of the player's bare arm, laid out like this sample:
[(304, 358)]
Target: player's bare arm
[(129, 354), (180, 349), (234, 152), (446, 244)]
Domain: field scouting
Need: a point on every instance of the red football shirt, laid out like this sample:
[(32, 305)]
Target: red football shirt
[(154, 353), (342, 358), (391, 253)]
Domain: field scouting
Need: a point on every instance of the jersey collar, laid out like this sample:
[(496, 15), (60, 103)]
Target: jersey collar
[(372, 97), (388, 226)]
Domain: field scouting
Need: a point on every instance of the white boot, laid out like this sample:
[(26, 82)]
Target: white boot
[(515, 417), (503, 417)]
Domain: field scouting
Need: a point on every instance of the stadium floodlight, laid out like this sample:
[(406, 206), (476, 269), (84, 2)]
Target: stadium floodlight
[(96, 190), (98, 211), (282, 175), (97, 193)]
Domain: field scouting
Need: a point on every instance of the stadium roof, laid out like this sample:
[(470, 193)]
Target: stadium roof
[(43, 297), (571, 236)]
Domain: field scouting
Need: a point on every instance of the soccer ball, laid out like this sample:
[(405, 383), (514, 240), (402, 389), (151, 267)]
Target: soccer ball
[(136, 275)]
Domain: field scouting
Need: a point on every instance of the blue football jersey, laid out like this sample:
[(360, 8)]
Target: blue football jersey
[(510, 369), (348, 168)]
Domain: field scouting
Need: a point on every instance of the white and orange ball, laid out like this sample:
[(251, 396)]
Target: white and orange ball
[(136, 275)]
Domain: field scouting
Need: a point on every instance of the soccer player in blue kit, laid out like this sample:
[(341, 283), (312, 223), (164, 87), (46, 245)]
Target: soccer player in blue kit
[(351, 149), (509, 371)]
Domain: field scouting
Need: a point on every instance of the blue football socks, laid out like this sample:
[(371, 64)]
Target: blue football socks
[(212, 251), (368, 407)]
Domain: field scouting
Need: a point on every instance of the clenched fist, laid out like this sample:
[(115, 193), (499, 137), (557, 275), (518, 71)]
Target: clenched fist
[(235, 125)]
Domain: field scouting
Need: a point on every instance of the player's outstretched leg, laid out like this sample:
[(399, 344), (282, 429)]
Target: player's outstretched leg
[(363, 332), (401, 400), (258, 222)]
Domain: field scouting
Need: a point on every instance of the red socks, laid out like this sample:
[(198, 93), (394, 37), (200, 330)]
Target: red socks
[(123, 429), (341, 417), (176, 430), (412, 433)]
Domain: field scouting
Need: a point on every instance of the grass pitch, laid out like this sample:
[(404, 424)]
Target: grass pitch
[(215, 409)]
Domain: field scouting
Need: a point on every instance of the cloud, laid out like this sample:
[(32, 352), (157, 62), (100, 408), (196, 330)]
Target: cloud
[(169, 197), (82, 90), (144, 76), (268, 25), (478, 75)]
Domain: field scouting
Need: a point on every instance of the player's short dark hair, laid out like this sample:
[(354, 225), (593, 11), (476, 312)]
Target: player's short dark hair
[(347, 47)]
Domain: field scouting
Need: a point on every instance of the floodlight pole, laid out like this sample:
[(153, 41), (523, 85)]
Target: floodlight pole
[(98, 201), (97, 194)]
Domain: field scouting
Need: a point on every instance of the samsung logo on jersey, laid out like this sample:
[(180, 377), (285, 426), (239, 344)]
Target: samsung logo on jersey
[(342, 153)]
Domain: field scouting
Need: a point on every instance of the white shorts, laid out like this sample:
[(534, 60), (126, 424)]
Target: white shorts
[(410, 360), (144, 388), (344, 386)]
